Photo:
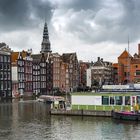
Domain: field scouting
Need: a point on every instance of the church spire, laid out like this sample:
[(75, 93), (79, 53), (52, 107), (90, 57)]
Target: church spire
[(45, 46)]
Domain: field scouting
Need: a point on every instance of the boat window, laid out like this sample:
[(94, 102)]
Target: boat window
[(127, 100), (105, 100), (118, 100), (138, 100), (112, 100)]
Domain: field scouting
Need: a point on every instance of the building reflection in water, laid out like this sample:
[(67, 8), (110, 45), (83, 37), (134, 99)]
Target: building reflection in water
[(21, 119), (30, 120)]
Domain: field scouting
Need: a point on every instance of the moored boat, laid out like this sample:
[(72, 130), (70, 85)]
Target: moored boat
[(124, 115), (56, 102), (47, 98)]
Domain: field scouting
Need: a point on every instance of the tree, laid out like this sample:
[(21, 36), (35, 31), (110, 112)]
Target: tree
[(95, 85)]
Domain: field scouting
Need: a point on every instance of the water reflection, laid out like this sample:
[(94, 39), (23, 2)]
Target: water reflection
[(24, 120)]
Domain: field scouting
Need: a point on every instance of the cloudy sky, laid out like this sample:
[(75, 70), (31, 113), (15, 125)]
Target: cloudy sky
[(91, 28)]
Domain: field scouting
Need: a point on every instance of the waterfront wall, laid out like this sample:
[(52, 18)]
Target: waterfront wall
[(81, 113)]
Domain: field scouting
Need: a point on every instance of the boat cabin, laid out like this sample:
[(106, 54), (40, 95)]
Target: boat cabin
[(56, 102), (103, 101)]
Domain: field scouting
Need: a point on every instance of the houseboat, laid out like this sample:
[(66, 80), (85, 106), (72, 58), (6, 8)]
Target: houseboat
[(104, 101), (124, 115)]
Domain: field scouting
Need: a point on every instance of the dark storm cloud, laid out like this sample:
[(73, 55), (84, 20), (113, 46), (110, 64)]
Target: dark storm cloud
[(22, 14), (13, 13), (81, 4), (42, 9), (91, 21), (131, 20), (95, 21)]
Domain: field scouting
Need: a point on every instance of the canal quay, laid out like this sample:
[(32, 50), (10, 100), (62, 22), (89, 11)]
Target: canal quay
[(29, 120)]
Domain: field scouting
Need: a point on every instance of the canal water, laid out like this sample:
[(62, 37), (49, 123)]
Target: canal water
[(29, 120)]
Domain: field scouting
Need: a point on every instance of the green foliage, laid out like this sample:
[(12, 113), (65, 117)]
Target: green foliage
[(95, 83)]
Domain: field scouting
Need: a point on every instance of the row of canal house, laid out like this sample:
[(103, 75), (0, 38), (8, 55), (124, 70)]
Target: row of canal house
[(45, 72), (21, 72), (32, 69), (42, 72), (65, 71)]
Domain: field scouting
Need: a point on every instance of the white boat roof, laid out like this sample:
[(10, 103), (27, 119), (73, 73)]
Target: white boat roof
[(52, 98)]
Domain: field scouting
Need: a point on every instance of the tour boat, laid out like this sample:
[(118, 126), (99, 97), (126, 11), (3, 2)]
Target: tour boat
[(123, 115)]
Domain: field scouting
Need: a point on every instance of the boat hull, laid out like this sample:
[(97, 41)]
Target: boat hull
[(126, 116)]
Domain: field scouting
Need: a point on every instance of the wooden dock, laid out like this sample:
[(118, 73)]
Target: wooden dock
[(81, 113)]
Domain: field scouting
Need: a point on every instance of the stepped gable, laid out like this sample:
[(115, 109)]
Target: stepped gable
[(66, 57), (135, 61), (36, 56), (15, 55), (99, 62)]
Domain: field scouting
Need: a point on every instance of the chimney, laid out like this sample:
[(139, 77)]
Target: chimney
[(98, 58), (139, 49)]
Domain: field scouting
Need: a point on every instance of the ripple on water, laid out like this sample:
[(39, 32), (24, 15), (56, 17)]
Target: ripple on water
[(29, 121)]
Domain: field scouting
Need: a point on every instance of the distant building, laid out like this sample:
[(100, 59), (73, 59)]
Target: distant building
[(28, 73), (64, 77), (124, 67), (129, 67), (36, 73), (60, 74), (14, 65), (115, 74), (56, 71), (22, 73), (89, 80), (83, 66), (46, 74), (101, 73), (73, 68), (5, 72)]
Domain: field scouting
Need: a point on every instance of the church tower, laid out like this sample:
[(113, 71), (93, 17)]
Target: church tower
[(45, 46)]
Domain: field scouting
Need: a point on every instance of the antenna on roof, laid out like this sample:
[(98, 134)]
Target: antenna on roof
[(45, 19), (128, 43), (45, 15)]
